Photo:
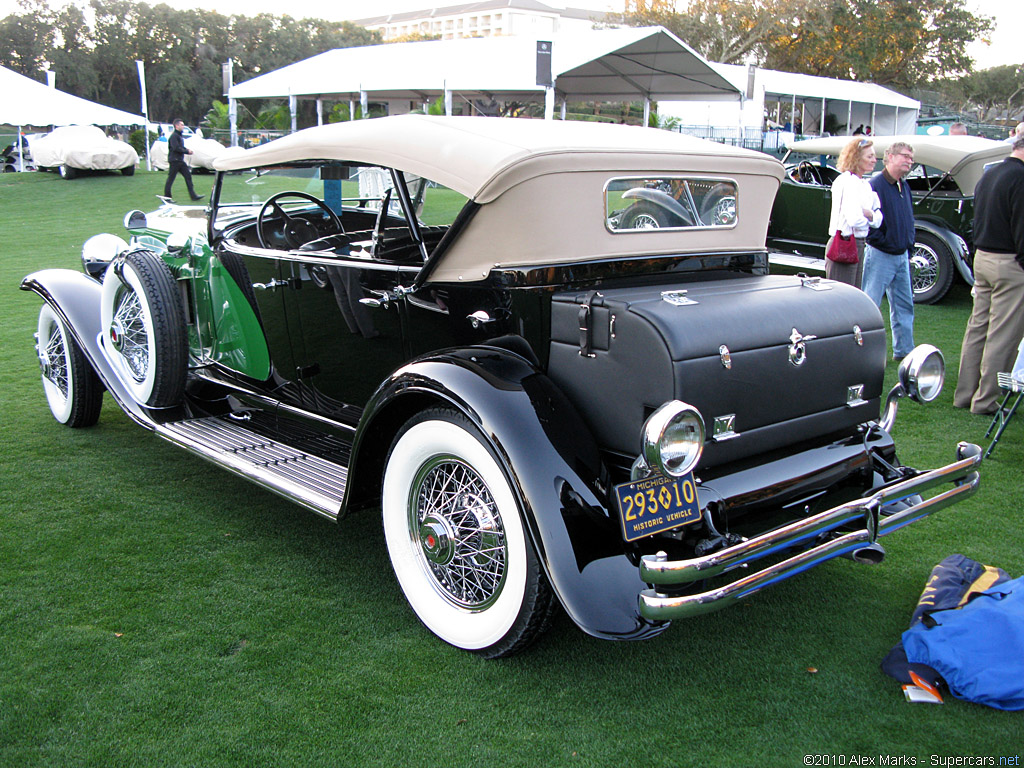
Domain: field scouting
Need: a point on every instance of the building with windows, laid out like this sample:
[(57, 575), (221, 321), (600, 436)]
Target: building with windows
[(490, 18)]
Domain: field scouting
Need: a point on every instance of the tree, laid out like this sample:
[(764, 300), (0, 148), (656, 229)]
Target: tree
[(26, 38), (898, 42), (989, 94)]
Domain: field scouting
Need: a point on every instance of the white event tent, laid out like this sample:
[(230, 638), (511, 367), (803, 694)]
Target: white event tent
[(805, 99), (28, 102), (630, 64)]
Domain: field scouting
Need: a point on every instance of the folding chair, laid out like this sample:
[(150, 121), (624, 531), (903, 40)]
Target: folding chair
[(1015, 392)]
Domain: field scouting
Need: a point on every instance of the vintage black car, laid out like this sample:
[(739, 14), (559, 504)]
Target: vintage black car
[(466, 323), (942, 181)]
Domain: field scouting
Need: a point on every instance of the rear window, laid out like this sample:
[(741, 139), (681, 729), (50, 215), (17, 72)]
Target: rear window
[(670, 203)]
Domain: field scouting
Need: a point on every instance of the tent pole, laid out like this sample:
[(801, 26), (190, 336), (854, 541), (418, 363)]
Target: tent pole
[(319, 111), (647, 111), (549, 102), (293, 104), (233, 119), (21, 151), (447, 100), (364, 103), (849, 117)]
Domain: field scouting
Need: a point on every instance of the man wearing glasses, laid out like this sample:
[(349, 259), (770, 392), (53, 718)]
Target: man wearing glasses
[(886, 254)]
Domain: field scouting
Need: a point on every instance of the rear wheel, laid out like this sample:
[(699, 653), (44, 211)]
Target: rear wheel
[(129, 171), (73, 390), (144, 328), (645, 215), (456, 540), (931, 268), (67, 172)]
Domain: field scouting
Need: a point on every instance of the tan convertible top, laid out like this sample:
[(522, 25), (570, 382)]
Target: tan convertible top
[(965, 157), (541, 184), (481, 157)]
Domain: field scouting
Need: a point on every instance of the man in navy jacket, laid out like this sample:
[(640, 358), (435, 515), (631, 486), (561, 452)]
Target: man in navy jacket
[(887, 252), (176, 151)]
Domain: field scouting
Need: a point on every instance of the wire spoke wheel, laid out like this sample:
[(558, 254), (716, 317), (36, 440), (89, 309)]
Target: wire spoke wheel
[(456, 539), (460, 534), (129, 333), (73, 391), (143, 323)]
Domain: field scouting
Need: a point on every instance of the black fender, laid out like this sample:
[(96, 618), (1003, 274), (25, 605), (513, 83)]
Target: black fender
[(75, 297), (956, 244), (658, 198), (550, 459)]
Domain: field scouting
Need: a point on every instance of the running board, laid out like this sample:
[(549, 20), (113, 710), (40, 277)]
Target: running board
[(309, 480)]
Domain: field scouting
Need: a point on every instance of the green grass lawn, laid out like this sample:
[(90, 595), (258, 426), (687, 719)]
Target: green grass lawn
[(157, 611)]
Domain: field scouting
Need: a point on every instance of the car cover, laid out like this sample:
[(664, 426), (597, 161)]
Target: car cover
[(967, 631)]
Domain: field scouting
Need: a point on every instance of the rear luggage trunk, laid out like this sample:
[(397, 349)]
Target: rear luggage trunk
[(768, 361)]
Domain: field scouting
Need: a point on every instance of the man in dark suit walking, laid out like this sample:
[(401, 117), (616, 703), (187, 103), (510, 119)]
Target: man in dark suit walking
[(176, 151)]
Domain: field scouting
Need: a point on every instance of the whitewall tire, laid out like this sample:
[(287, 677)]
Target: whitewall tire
[(144, 328), (73, 390), (456, 540)]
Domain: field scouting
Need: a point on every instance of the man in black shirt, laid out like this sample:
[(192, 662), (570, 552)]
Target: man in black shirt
[(176, 151), (997, 321)]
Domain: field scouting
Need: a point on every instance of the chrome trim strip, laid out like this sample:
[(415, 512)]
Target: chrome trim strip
[(655, 569)]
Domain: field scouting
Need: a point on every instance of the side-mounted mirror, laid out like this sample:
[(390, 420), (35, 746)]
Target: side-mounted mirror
[(135, 220)]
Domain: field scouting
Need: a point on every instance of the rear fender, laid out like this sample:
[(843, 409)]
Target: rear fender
[(550, 459), (659, 198)]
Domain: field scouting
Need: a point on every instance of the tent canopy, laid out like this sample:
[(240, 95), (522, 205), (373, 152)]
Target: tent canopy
[(27, 102), (604, 65)]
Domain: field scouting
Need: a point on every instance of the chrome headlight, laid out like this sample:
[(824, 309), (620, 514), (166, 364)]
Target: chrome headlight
[(922, 373), (920, 378), (673, 439), (99, 251)]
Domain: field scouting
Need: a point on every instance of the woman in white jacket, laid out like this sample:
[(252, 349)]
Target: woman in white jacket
[(855, 206)]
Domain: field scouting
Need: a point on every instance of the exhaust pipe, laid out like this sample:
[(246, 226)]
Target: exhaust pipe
[(872, 554)]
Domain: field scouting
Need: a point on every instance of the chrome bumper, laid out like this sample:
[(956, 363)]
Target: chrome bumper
[(657, 569)]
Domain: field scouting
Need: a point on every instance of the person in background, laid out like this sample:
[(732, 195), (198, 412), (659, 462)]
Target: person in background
[(996, 324), (887, 253), (1015, 133), (958, 129), (176, 151), (855, 206)]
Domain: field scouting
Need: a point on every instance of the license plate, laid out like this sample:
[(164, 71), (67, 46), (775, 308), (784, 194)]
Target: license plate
[(656, 504)]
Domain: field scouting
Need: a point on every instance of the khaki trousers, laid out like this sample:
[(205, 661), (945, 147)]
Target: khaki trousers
[(993, 333)]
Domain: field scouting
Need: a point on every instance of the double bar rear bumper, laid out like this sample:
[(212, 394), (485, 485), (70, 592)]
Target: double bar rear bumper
[(658, 570)]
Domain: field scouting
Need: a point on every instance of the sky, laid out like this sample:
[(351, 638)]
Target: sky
[(1004, 49)]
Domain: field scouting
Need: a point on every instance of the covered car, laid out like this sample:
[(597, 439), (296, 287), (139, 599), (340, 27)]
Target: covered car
[(465, 326), (75, 148), (946, 170), (204, 152)]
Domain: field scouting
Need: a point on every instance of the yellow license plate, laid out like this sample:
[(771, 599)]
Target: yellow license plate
[(656, 504)]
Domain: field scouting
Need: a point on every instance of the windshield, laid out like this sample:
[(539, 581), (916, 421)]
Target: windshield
[(339, 186)]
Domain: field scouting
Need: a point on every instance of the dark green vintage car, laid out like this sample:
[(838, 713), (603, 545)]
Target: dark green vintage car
[(942, 182)]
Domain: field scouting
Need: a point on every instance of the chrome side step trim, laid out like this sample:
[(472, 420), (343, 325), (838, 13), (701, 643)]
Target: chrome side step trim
[(309, 480)]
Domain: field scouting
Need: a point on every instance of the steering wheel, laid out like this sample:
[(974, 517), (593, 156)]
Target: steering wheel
[(295, 230), (808, 173)]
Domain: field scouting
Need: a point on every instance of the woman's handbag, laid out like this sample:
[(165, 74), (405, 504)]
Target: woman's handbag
[(842, 249)]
